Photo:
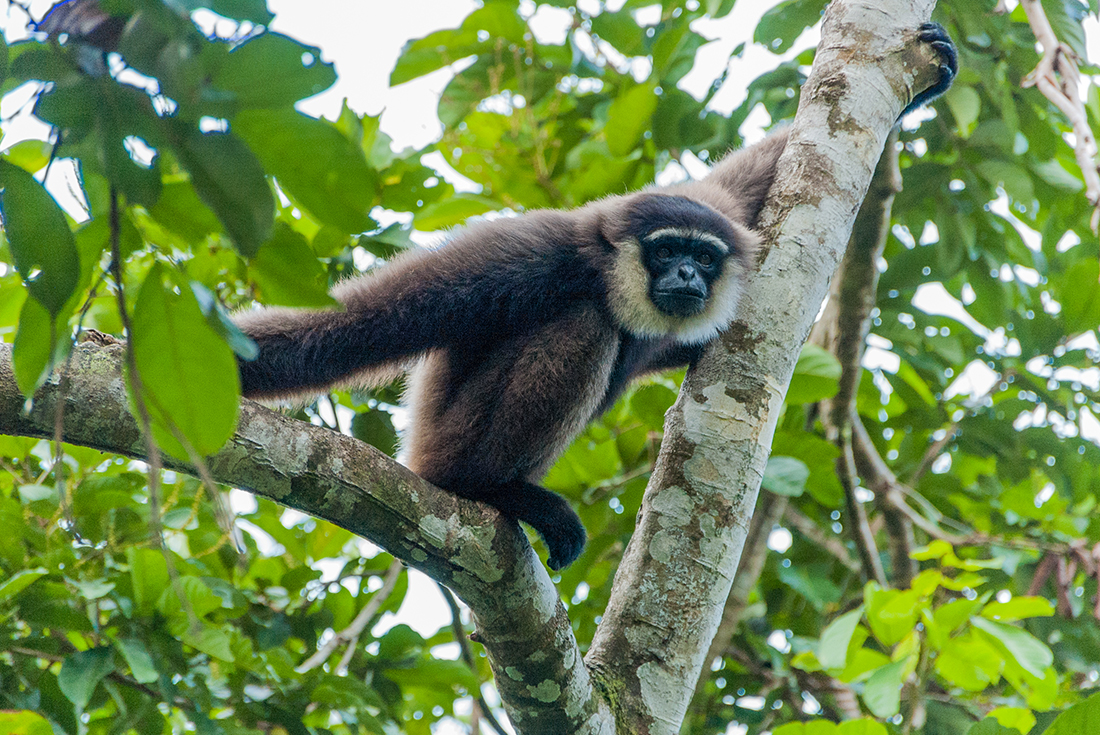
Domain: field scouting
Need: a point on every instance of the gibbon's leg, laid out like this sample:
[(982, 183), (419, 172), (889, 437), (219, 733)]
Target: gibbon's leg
[(487, 426)]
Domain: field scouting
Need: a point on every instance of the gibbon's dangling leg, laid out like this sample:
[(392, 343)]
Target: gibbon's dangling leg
[(525, 329), (487, 425)]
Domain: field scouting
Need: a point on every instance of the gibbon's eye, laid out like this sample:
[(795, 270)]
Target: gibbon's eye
[(664, 253), (704, 259)]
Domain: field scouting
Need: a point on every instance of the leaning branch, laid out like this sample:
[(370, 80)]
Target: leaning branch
[(1059, 80), (468, 546), (670, 590)]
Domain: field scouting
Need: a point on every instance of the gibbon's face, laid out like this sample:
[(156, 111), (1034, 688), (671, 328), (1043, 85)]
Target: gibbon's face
[(682, 264)]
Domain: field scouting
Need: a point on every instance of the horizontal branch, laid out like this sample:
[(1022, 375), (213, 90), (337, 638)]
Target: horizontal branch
[(468, 546)]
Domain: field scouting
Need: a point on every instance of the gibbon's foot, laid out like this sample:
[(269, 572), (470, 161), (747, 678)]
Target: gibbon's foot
[(936, 36), (550, 515)]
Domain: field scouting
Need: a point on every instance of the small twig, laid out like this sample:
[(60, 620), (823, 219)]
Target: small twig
[(1058, 79), (481, 706), (935, 449), (806, 527), (350, 635)]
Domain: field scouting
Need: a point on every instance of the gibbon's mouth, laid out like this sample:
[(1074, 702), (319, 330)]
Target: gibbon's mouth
[(679, 303)]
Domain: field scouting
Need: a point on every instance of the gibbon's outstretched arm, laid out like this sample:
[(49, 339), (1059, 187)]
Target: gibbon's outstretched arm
[(522, 330), (492, 279)]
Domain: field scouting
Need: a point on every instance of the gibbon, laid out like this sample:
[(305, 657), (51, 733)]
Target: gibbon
[(520, 331)]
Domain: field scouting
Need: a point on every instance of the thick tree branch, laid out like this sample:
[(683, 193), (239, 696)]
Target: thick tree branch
[(676, 574), (470, 547)]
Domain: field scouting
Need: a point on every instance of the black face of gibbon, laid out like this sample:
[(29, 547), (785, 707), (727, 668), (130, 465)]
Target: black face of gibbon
[(684, 246)]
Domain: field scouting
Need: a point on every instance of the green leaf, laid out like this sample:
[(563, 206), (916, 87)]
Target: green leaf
[(254, 11), (148, 577), (832, 650), (990, 726), (375, 427), (19, 581), (200, 598), (892, 613), (273, 70), (24, 722), (1018, 608), (815, 378), (81, 673), (138, 659), (452, 211), (781, 26), (1018, 718), (628, 118), (188, 374), (229, 179), (650, 403), (1079, 294), (785, 476), (1030, 653), (861, 727), (966, 106), (32, 352), (289, 274), (29, 155), (882, 692), (1079, 719), (41, 242), (324, 171)]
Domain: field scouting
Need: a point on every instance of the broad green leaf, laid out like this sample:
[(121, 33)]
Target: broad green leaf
[(29, 155), (138, 659), (781, 26), (966, 105), (199, 597), (312, 161), (81, 673), (452, 211), (861, 727), (1030, 653), (1018, 608), (229, 179), (629, 117), (785, 476), (1017, 718), (815, 376), (882, 692), (254, 11), (180, 210), (650, 403), (832, 651), (375, 427), (1079, 292), (24, 722), (990, 726), (273, 70), (41, 242), (32, 352), (148, 577), (892, 614), (288, 273), (92, 589), (1078, 720), (19, 581), (188, 374)]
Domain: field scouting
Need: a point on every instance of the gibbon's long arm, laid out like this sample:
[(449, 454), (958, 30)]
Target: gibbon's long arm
[(495, 279)]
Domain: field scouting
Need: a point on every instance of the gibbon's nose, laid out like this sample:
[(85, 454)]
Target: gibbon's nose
[(686, 273)]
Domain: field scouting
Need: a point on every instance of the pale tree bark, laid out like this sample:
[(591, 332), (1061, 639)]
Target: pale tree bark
[(676, 573)]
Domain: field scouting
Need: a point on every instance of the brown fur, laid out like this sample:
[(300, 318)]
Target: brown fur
[(521, 330)]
